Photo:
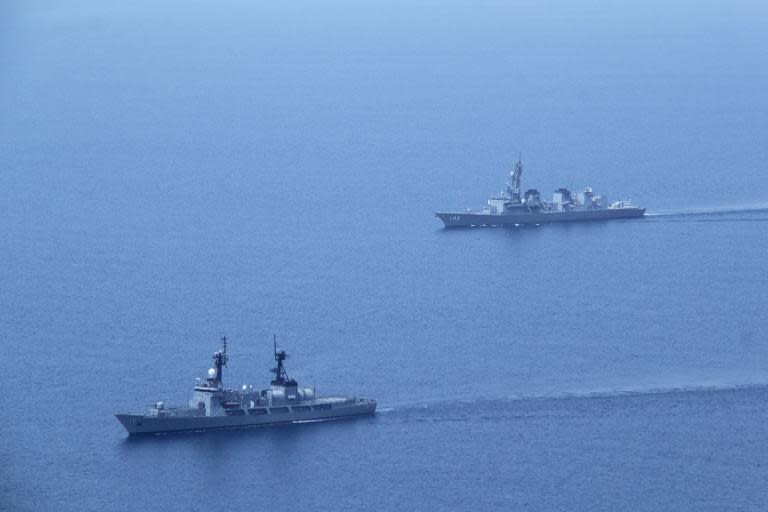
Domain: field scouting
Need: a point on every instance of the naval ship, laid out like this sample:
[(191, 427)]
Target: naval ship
[(514, 208), (212, 406)]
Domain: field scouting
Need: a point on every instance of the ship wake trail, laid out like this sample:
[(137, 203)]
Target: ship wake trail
[(748, 213), (512, 407)]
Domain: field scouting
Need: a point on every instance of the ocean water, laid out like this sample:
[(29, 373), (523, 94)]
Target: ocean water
[(173, 172)]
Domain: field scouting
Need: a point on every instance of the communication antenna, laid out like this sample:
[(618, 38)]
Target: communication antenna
[(514, 188), (281, 376), (220, 360)]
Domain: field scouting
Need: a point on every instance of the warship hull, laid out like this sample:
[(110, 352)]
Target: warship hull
[(137, 424), (463, 220)]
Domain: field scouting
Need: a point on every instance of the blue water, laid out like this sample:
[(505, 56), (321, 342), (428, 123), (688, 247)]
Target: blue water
[(173, 172)]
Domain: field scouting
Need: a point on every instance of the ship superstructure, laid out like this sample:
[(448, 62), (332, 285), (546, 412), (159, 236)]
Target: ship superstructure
[(212, 406), (513, 207)]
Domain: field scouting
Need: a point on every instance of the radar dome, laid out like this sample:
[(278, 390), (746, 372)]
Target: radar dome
[(212, 373), (160, 405)]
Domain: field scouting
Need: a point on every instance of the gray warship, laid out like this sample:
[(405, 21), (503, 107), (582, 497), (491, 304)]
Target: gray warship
[(513, 208), (214, 407)]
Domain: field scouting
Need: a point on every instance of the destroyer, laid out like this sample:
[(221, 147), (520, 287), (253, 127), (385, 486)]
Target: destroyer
[(512, 207), (213, 407)]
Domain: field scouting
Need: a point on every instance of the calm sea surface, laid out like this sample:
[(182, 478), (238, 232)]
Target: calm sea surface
[(171, 172)]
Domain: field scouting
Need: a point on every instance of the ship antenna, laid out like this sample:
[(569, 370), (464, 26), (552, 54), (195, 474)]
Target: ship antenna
[(220, 360), (281, 376), (514, 187)]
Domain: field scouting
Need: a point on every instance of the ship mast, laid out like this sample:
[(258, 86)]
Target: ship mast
[(281, 376), (514, 187), (220, 360)]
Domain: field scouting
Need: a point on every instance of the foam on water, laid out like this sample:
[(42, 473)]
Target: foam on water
[(450, 404), (759, 208)]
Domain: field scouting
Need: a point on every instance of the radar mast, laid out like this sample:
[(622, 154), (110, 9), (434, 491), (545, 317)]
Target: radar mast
[(220, 360), (514, 186), (281, 376)]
